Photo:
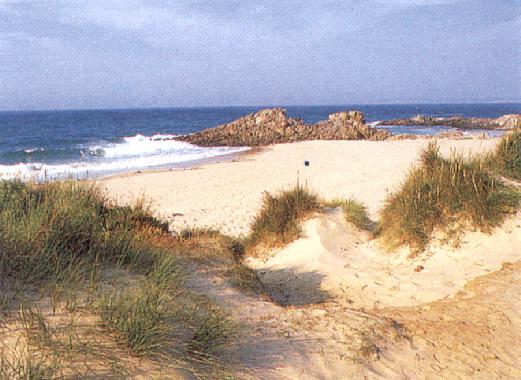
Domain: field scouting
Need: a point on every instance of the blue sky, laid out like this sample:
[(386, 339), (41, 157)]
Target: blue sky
[(111, 53)]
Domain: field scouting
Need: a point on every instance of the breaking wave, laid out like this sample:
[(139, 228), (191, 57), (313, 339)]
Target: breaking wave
[(131, 153)]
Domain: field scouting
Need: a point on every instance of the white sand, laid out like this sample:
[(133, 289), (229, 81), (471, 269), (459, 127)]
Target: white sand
[(352, 266), (227, 195)]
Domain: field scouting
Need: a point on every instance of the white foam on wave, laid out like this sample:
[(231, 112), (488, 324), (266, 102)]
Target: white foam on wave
[(133, 153), (32, 150), (140, 145)]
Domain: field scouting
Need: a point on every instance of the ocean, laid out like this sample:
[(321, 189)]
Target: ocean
[(91, 143)]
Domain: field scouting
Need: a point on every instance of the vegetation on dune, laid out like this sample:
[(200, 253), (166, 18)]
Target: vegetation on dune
[(278, 220), (447, 195), (49, 230), (23, 363), (507, 157), (138, 318), (354, 212), (103, 266), (112, 278)]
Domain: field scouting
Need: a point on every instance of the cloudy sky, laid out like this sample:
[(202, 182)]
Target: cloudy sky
[(115, 53)]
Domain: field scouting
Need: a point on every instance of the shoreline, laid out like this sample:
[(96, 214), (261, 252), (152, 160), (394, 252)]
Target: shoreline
[(23, 170), (187, 165), (252, 151)]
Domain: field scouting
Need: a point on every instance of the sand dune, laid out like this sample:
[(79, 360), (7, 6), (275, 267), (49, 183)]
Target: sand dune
[(341, 307), (351, 265)]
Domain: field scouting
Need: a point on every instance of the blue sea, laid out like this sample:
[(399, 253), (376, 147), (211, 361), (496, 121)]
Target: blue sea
[(91, 143)]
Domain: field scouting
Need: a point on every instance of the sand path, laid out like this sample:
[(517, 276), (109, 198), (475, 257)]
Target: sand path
[(320, 328)]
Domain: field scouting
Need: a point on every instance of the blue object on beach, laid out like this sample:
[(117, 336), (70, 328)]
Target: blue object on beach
[(306, 163)]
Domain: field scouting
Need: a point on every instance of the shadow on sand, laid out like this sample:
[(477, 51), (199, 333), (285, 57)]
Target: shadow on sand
[(289, 287)]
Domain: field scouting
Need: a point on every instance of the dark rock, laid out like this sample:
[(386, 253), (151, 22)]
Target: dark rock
[(503, 122), (273, 126)]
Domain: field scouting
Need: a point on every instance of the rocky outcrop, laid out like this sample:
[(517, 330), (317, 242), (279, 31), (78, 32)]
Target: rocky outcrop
[(273, 126), (503, 122), (509, 121)]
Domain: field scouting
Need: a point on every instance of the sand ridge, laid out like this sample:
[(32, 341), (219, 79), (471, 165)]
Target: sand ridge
[(347, 263)]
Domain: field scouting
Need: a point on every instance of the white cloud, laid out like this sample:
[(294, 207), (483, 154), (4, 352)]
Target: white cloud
[(277, 24)]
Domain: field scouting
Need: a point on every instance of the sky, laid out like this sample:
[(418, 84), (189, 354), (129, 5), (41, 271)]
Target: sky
[(73, 54)]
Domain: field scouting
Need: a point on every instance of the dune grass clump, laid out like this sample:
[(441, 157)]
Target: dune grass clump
[(49, 230), (507, 157), (117, 269), (447, 195), (138, 318), (211, 334), (139, 315), (25, 364), (277, 221)]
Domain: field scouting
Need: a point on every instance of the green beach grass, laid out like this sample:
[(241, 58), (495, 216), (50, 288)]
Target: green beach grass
[(63, 245), (507, 157), (448, 195), (277, 222)]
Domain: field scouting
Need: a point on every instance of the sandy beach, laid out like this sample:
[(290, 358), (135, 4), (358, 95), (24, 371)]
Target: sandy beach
[(227, 195), (260, 190)]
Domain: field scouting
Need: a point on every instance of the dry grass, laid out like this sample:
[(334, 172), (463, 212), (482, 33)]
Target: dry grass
[(354, 212), (507, 157), (26, 364), (447, 195), (245, 279)]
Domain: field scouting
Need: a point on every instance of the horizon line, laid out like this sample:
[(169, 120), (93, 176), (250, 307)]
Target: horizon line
[(255, 106)]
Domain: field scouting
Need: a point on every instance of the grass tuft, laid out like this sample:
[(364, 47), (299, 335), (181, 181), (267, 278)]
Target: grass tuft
[(354, 212), (211, 333), (277, 221), (245, 279), (113, 267), (447, 195), (52, 231), (137, 317), (24, 363), (507, 157)]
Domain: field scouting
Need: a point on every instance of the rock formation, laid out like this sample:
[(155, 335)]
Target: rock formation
[(273, 126), (509, 121), (503, 122)]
